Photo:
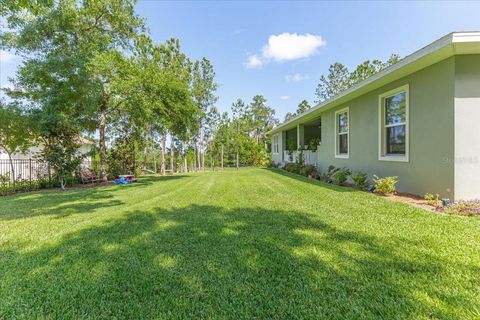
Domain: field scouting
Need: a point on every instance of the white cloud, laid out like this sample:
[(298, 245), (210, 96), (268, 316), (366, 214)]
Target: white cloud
[(284, 97), (296, 77), (6, 56), (292, 46), (287, 47), (253, 61)]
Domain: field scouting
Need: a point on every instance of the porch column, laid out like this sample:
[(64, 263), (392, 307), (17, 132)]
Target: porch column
[(300, 136)]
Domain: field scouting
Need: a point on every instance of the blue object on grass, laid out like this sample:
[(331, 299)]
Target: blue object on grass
[(122, 180)]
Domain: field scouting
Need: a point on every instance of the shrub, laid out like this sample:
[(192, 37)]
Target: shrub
[(293, 167), (361, 180), (385, 185), (328, 175), (341, 176), (310, 171), (432, 200)]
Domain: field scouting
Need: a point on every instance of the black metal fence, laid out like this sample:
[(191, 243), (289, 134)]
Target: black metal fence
[(33, 174)]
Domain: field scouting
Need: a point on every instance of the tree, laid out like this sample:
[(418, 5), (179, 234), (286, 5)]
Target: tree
[(239, 115), (60, 138), (222, 136), (15, 131), (73, 52), (203, 88), (335, 82), (289, 116), (212, 121), (339, 78), (303, 106)]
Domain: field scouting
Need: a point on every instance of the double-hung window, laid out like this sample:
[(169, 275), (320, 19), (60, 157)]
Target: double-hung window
[(275, 144), (393, 131), (342, 133)]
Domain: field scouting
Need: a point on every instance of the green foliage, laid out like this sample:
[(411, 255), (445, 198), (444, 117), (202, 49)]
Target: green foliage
[(339, 78), (289, 116), (385, 185), (360, 179), (248, 131), (293, 167), (64, 158), (16, 132), (303, 106), (313, 144), (310, 171), (341, 176), (432, 200), (327, 176)]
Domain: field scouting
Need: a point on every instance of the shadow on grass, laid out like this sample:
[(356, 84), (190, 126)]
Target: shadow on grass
[(57, 202), (311, 181), (209, 262), (79, 200)]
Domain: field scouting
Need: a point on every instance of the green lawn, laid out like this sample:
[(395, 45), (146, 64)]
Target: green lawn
[(254, 244)]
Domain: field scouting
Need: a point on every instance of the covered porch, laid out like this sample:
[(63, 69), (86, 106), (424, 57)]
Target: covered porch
[(302, 141)]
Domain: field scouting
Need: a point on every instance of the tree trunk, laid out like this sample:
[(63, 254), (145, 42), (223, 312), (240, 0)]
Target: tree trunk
[(237, 160), (172, 154), (164, 141), (212, 165), (154, 158), (145, 150), (199, 156), (12, 167), (194, 162), (222, 157), (185, 169), (101, 128)]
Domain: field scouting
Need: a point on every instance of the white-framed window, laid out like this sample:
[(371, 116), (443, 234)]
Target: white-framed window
[(342, 133), (275, 148), (393, 139)]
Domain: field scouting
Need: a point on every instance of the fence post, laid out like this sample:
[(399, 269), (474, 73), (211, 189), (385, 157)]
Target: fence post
[(30, 175)]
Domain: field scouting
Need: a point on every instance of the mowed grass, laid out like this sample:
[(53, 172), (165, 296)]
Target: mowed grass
[(247, 244)]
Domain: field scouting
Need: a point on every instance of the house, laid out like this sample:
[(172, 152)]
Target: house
[(34, 151), (418, 119), (26, 166)]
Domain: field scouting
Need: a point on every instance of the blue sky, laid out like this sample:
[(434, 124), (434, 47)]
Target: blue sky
[(294, 42)]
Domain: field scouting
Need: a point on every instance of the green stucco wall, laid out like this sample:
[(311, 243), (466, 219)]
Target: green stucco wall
[(467, 127), (431, 149)]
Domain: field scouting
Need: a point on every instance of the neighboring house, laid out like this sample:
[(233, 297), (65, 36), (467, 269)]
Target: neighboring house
[(25, 164), (33, 152), (418, 119)]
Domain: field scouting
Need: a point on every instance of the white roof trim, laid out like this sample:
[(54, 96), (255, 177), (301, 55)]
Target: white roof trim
[(447, 46)]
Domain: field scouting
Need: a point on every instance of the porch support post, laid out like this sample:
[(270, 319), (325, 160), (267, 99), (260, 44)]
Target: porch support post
[(283, 145), (300, 136)]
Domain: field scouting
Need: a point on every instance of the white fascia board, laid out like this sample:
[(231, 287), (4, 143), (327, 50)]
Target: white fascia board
[(443, 48)]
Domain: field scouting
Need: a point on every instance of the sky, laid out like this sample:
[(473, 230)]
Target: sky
[(280, 49)]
